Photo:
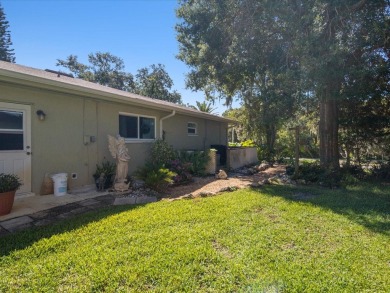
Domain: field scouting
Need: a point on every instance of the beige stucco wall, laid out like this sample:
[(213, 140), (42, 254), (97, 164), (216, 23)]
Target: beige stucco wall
[(209, 132), (239, 157), (59, 144)]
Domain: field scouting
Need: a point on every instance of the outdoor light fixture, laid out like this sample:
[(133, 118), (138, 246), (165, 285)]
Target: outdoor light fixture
[(41, 115)]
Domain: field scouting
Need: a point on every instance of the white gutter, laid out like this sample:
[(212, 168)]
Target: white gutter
[(161, 122), (14, 73)]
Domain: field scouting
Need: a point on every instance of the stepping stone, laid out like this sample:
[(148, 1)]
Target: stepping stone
[(146, 199), (124, 201), (17, 223), (89, 202)]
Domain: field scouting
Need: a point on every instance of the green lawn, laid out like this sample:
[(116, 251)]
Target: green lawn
[(278, 239)]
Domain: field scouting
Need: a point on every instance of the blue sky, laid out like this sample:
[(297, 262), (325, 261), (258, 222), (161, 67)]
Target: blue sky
[(140, 32)]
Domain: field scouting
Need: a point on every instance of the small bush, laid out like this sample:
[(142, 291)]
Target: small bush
[(162, 153), (197, 159), (9, 182), (381, 171), (354, 171), (156, 178), (248, 143), (182, 170), (314, 173)]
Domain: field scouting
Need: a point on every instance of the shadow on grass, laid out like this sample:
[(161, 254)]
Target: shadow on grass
[(366, 204), (24, 238)]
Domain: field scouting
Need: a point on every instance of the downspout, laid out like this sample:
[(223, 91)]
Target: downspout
[(161, 122)]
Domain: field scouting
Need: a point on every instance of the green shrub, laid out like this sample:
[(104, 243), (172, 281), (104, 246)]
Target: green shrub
[(355, 171), (157, 178), (248, 143), (109, 170), (197, 159), (234, 144), (315, 173), (381, 171), (182, 170), (9, 182), (162, 153)]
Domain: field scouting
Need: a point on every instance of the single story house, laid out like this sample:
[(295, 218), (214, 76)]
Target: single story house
[(53, 123)]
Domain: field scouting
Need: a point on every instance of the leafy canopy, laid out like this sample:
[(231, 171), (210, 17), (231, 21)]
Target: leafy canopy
[(107, 69)]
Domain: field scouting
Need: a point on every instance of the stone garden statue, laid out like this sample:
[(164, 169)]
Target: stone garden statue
[(119, 152)]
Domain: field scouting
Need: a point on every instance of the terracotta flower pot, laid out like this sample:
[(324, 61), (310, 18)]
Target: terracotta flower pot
[(6, 202)]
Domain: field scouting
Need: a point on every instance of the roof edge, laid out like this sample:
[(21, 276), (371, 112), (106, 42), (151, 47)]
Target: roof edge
[(30, 76)]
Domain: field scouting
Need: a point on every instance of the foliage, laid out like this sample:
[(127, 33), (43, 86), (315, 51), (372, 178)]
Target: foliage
[(242, 130), (9, 182), (381, 171), (162, 153), (245, 241), (182, 170), (197, 161), (109, 170), (6, 53), (156, 83), (204, 107), (277, 55), (248, 143), (245, 144), (155, 177), (107, 69), (107, 167), (313, 172)]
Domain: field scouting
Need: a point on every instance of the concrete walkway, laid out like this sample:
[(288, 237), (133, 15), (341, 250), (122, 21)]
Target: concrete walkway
[(38, 210)]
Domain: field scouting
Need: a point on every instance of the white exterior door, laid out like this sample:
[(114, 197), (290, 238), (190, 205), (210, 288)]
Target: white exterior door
[(15, 143)]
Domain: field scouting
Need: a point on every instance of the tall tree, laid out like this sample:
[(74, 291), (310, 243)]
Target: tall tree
[(270, 50), (105, 69), (236, 49), (6, 52), (155, 82)]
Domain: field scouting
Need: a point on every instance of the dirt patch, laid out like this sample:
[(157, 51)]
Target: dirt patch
[(210, 185)]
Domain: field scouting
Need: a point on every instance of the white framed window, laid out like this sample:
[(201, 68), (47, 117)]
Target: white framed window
[(137, 127), (192, 128)]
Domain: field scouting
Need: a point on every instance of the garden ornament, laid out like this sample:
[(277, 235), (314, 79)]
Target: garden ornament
[(119, 152)]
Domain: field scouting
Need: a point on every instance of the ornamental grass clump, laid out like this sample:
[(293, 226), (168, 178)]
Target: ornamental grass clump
[(157, 178)]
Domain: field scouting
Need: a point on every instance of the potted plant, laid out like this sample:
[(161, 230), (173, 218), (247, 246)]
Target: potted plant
[(108, 169), (9, 183)]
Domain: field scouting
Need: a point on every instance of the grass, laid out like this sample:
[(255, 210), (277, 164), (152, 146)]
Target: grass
[(277, 239)]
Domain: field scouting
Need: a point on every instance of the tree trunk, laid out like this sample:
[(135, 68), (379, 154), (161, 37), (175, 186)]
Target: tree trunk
[(348, 150), (328, 129), (270, 131)]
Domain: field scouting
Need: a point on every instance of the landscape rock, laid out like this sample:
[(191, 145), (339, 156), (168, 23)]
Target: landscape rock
[(221, 175), (205, 194), (266, 182), (263, 167), (229, 188), (188, 196), (137, 184), (257, 184)]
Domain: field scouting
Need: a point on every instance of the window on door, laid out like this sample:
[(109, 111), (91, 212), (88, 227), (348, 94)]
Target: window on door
[(11, 130)]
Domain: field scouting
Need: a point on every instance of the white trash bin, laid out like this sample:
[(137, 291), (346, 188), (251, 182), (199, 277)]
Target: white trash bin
[(60, 183)]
